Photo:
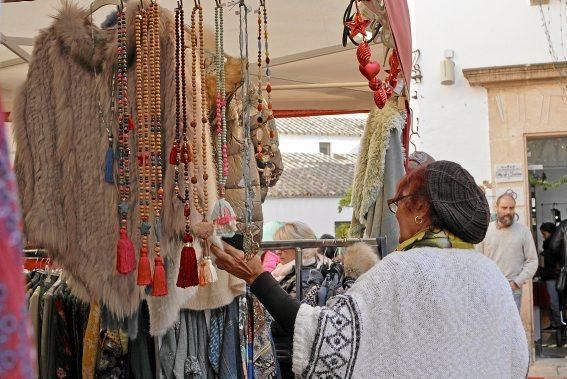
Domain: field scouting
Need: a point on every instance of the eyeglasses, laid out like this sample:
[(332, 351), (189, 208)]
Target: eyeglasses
[(394, 203)]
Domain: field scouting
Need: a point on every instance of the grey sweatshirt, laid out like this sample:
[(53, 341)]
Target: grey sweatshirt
[(513, 249)]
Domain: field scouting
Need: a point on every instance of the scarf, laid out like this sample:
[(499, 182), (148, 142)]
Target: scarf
[(434, 238)]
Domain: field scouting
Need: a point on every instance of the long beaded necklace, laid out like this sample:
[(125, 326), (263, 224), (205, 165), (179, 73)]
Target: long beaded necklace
[(264, 153), (207, 272), (223, 214), (149, 144), (125, 256), (181, 156)]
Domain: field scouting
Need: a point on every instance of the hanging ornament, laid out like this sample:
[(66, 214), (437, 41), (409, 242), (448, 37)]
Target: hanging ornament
[(358, 25), (223, 214), (125, 255), (383, 90), (181, 155)]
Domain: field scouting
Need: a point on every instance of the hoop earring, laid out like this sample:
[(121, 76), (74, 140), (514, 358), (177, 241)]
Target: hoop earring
[(418, 220)]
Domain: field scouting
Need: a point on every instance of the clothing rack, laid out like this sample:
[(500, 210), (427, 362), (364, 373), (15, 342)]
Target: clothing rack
[(299, 245)]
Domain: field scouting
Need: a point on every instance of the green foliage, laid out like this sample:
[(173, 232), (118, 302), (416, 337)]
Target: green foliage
[(546, 184), (342, 230), (345, 200)]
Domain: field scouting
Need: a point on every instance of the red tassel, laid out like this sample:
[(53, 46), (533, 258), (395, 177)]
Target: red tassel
[(188, 269), (159, 287), (173, 156), (144, 270), (125, 257), (130, 124)]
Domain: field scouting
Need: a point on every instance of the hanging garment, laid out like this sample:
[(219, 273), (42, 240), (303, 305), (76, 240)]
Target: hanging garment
[(90, 343), (184, 350), (141, 350), (16, 353), (378, 170), (61, 145)]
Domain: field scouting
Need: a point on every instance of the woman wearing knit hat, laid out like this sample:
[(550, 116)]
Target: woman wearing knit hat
[(436, 308)]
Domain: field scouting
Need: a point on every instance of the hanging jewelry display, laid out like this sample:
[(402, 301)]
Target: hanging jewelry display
[(149, 144), (223, 215), (383, 90), (181, 156), (264, 152), (125, 255), (250, 229)]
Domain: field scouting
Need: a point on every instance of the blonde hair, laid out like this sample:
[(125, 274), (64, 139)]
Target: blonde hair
[(297, 231)]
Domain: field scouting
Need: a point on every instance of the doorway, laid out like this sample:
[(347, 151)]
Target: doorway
[(547, 173)]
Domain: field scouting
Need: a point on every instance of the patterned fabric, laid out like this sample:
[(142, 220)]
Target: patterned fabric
[(16, 352), (431, 238), (90, 342), (264, 351), (408, 322), (337, 340), (215, 337)]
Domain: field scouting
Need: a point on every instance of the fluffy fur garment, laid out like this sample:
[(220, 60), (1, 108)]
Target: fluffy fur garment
[(61, 145), (358, 259), (369, 172)]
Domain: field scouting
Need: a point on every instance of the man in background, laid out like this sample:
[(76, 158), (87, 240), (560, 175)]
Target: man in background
[(511, 246)]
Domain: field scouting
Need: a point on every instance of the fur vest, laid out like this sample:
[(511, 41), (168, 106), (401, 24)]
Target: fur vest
[(61, 145)]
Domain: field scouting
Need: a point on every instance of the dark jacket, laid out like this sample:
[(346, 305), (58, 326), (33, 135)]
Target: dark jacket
[(558, 242), (551, 261)]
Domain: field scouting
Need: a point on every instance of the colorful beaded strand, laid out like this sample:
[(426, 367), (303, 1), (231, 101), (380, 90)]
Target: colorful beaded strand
[(188, 270), (125, 255), (223, 214), (159, 287)]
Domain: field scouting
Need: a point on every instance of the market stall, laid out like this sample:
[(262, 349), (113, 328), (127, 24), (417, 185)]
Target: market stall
[(142, 142)]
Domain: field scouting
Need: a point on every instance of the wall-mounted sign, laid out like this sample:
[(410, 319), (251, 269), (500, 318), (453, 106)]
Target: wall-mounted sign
[(508, 172)]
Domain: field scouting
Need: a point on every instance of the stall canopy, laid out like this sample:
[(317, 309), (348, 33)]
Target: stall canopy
[(311, 71)]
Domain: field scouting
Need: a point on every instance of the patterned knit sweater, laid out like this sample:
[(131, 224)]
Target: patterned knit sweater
[(426, 312)]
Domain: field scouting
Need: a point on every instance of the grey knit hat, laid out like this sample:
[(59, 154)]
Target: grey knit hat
[(457, 200)]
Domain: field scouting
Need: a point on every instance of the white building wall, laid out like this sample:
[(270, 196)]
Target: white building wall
[(310, 144), (320, 214), (453, 120)]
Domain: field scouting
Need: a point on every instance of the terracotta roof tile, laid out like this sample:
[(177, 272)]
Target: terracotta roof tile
[(314, 175), (321, 126)]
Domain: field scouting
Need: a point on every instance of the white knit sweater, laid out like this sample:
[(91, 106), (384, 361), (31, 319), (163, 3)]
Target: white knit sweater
[(426, 312)]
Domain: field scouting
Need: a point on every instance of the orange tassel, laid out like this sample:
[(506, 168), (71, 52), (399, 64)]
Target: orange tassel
[(188, 274), (207, 272), (144, 270), (125, 256), (159, 287)]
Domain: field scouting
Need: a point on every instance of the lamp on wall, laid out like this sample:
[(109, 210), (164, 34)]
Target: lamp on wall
[(448, 69)]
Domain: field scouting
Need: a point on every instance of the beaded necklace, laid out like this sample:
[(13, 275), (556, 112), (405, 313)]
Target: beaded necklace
[(207, 272), (181, 155), (125, 256), (264, 153), (149, 144), (223, 214)]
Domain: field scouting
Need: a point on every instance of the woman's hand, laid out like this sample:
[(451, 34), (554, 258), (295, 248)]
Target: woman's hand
[(232, 261)]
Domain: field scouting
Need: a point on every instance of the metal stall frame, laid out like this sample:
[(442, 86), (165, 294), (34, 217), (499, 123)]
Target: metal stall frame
[(299, 245)]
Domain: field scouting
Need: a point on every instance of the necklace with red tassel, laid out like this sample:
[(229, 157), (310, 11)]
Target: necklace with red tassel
[(207, 272), (159, 287), (149, 145), (180, 155), (125, 255), (223, 215)]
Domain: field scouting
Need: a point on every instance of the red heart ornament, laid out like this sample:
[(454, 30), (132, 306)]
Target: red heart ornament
[(370, 70), (363, 53), (380, 98), (374, 84)]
